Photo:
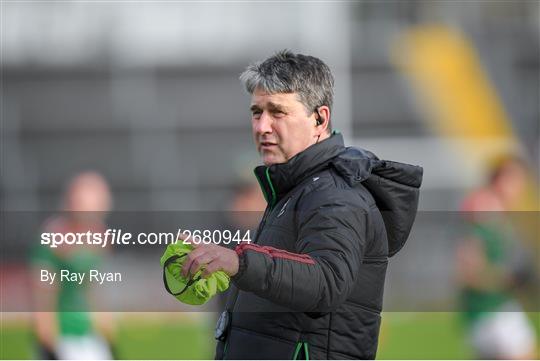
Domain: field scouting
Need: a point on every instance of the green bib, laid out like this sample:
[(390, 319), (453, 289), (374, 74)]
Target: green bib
[(194, 291)]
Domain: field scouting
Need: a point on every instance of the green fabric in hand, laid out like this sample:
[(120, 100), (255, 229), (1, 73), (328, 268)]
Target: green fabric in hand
[(194, 291)]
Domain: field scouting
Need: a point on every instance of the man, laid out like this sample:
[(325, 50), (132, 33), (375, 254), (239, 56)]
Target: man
[(64, 326), (493, 267), (311, 282)]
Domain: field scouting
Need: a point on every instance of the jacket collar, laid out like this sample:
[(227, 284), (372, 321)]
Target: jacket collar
[(278, 179)]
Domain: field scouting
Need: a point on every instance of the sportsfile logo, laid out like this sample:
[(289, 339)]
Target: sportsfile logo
[(121, 237)]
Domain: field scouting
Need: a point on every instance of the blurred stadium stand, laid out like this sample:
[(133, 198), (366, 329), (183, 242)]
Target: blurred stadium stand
[(159, 109)]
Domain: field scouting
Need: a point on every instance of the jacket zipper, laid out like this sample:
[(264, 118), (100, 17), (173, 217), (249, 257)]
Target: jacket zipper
[(261, 225)]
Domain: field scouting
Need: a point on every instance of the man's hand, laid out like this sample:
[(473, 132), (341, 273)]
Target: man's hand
[(210, 256)]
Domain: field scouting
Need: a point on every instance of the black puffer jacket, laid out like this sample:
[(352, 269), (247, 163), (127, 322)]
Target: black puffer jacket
[(312, 281)]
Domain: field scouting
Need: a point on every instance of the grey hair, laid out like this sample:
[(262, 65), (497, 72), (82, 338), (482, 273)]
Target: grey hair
[(286, 72)]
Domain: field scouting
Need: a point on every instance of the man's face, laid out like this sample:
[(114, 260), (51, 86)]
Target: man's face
[(281, 126)]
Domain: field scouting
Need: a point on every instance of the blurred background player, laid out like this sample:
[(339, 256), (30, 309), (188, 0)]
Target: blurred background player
[(65, 329), (492, 267), (246, 206), (244, 212)]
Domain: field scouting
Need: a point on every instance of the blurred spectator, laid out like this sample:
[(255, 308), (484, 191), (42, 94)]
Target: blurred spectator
[(243, 213), (492, 265), (247, 206), (64, 327)]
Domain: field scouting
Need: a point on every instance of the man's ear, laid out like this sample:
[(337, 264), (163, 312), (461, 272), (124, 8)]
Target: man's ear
[(323, 117)]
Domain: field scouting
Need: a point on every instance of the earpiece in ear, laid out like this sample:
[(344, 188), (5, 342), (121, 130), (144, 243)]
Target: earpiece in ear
[(318, 121)]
